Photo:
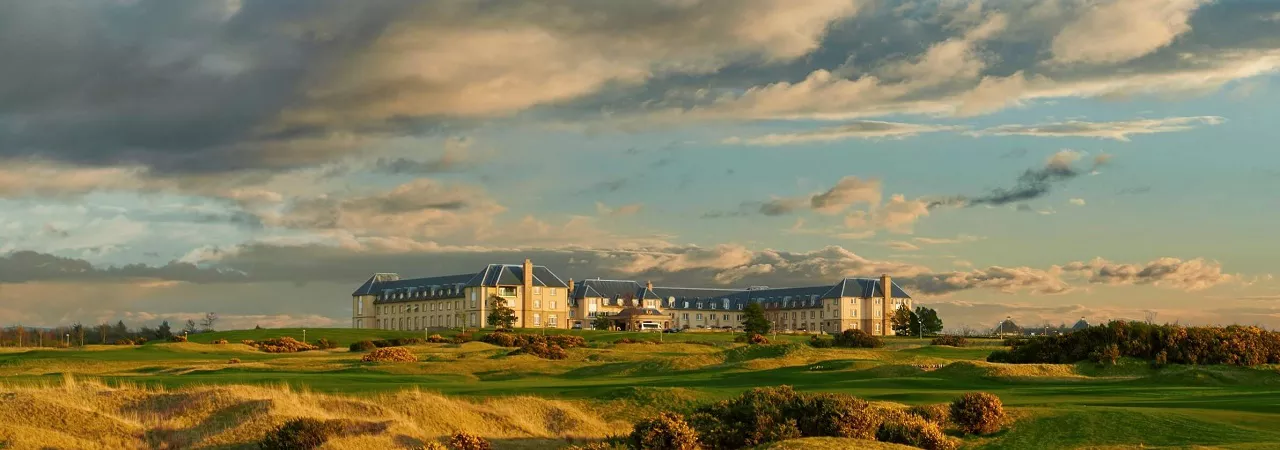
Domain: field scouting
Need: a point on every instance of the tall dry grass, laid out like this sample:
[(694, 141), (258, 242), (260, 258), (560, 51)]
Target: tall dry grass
[(79, 414)]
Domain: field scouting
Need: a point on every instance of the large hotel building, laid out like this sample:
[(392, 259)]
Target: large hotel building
[(542, 299)]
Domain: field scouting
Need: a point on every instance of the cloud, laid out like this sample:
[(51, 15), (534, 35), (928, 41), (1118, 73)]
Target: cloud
[(1033, 183), (861, 129), (961, 239), (1192, 275), (1003, 279), (901, 245), (621, 211), (1119, 31), (847, 192), (27, 266), (1076, 201), (453, 160), (420, 208), (1119, 130)]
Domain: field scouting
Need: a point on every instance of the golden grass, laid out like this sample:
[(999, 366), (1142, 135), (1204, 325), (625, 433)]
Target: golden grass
[(91, 415), (830, 443)]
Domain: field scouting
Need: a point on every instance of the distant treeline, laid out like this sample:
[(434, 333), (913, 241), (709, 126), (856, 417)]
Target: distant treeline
[(1162, 344), (79, 334)]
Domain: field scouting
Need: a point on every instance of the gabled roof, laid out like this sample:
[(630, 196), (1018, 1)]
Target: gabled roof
[(607, 289), (513, 275), (1082, 324)]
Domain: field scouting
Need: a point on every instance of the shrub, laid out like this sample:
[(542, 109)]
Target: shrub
[(362, 346), (177, 338), (596, 446), (234, 361), (501, 339), (248, 342), (326, 344), (467, 441), (753, 339), (625, 340), (436, 339), (124, 342), (858, 339), (836, 415), (1109, 354), (140, 341), (284, 345), (758, 416), (668, 431), (220, 341), (1235, 345), (462, 337), (952, 341), (390, 354), (939, 413), (410, 341), (567, 341), (432, 445), (298, 434), (818, 342), (978, 413), (914, 431), (1162, 358)]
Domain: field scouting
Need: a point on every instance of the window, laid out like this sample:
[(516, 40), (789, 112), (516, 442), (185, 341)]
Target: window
[(877, 313), (537, 303), (551, 320), (553, 304), (726, 317), (726, 303), (474, 296), (712, 305), (685, 317), (457, 305), (811, 315), (507, 291), (537, 289), (360, 307), (537, 319), (473, 320), (552, 291), (699, 317), (877, 327), (853, 313)]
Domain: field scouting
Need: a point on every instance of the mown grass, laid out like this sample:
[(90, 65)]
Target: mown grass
[(1062, 406)]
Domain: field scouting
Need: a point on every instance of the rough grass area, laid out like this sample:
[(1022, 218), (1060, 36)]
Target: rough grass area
[(1056, 405)]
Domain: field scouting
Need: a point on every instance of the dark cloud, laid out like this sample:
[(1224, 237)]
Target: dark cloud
[(404, 166), (28, 266), (1032, 184), (1134, 190), (610, 185), (848, 191)]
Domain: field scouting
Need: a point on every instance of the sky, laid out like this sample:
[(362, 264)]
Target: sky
[(1045, 160)]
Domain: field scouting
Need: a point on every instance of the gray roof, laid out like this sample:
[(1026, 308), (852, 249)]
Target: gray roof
[(714, 299), (1082, 324), (390, 287)]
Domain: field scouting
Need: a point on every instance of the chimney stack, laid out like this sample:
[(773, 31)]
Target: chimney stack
[(528, 293), (648, 285), (886, 285), (571, 287)]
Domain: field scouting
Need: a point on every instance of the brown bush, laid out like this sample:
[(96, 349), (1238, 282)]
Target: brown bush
[(668, 431), (248, 342), (234, 361), (596, 446), (124, 342), (753, 338), (284, 345), (952, 341), (436, 339), (978, 413), (326, 344), (307, 433), (939, 413), (177, 338), (462, 337), (467, 441), (914, 431), (857, 339), (757, 417), (432, 445), (390, 354), (219, 341), (836, 415), (502, 339)]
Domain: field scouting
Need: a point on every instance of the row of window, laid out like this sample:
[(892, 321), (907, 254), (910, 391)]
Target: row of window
[(421, 322)]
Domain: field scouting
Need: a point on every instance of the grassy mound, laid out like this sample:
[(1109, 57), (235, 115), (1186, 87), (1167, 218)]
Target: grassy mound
[(92, 415)]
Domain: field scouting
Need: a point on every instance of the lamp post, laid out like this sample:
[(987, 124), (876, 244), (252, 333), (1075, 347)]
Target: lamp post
[(304, 335), (68, 339)]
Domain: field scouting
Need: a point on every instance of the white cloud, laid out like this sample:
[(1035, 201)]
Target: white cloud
[(1121, 30), (1076, 201), (861, 129), (1118, 130)]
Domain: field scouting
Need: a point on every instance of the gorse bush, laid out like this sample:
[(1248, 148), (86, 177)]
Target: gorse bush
[(326, 344), (951, 341), (219, 341), (819, 342), (436, 339), (248, 342), (547, 347), (467, 441), (752, 338), (1232, 345), (914, 431), (362, 346), (308, 433), (764, 415), (389, 354), (124, 342), (939, 413), (668, 431), (463, 337), (284, 345), (233, 361), (978, 413), (857, 339)]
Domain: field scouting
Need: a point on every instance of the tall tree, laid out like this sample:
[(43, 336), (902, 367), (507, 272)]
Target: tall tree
[(164, 332), (602, 323), (929, 321), (206, 324), (120, 331), (190, 328), (500, 315), (901, 321), (754, 321), (78, 331)]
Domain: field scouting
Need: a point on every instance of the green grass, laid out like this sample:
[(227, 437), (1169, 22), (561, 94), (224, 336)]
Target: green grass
[(1060, 406)]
